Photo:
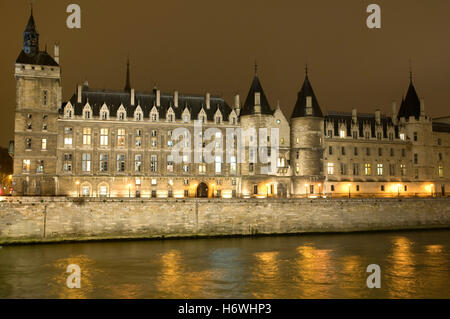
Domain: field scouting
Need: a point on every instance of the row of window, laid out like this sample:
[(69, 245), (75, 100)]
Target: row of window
[(154, 115), (380, 171), (104, 164)]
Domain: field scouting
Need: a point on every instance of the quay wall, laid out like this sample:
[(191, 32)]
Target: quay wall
[(46, 219)]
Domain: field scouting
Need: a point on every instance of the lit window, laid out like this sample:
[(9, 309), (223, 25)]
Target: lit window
[(202, 168), (87, 136), (342, 133), (28, 144), (218, 165), (233, 165), (26, 166), (403, 169), (154, 182), (44, 144), (441, 171), (367, 169), (330, 168), (68, 141), (86, 163), (402, 136), (380, 169), (104, 136), (121, 137), (170, 163), (137, 163)]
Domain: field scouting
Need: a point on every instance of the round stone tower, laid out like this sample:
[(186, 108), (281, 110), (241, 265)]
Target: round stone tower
[(306, 144)]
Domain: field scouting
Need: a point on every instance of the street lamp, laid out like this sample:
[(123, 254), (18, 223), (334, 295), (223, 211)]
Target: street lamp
[(78, 188), (349, 189), (398, 189), (129, 190), (267, 188), (319, 189)]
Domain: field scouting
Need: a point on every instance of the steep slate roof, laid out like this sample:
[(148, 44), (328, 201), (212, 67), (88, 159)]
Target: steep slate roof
[(411, 104), (146, 100), (249, 105), (41, 58), (441, 127), (362, 118), (300, 105)]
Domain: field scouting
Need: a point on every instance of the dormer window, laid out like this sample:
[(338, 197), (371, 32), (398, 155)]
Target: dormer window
[(402, 136), (104, 115), (138, 116), (170, 118), (218, 119), (87, 114), (121, 116), (186, 118)]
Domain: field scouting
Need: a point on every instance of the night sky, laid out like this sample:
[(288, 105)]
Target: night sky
[(199, 46)]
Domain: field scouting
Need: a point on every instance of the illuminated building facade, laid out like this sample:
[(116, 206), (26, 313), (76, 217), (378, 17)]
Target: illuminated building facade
[(106, 143)]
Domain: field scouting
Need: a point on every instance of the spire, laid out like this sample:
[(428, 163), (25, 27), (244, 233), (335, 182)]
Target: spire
[(256, 68), (250, 106), (31, 37), (307, 104), (127, 81)]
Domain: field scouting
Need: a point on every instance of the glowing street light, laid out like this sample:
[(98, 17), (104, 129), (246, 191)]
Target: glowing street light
[(319, 189), (129, 190), (349, 189), (398, 189)]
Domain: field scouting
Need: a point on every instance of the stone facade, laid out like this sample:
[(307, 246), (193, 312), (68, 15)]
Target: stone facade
[(105, 143)]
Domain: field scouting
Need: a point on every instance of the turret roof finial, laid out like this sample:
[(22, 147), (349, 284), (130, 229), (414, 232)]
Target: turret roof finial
[(410, 71), (256, 67)]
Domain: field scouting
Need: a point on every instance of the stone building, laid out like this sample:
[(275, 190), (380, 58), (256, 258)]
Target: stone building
[(118, 143)]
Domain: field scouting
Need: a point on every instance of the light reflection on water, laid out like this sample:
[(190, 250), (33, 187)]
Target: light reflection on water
[(413, 264)]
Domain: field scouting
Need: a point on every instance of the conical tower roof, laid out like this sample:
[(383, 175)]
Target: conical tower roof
[(249, 105), (300, 105)]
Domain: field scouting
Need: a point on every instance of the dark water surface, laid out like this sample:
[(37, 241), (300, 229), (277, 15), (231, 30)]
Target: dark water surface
[(413, 264)]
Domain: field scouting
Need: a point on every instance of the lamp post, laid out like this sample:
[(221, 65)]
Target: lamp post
[(78, 188), (129, 190), (349, 189), (319, 190), (267, 188), (398, 190)]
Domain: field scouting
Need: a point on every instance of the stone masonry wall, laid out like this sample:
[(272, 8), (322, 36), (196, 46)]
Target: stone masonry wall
[(27, 220)]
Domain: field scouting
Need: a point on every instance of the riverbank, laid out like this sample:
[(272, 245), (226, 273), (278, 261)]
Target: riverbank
[(25, 220)]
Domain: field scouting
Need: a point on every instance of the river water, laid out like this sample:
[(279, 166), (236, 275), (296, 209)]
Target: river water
[(414, 264)]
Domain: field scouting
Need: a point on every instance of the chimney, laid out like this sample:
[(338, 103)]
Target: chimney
[(237, 102), (158, 98), (79, 92), (354, 115), (56, 55), (175, 98), (378, 117), (394, 112), (132, 97), (208, 101), (422, 107)]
